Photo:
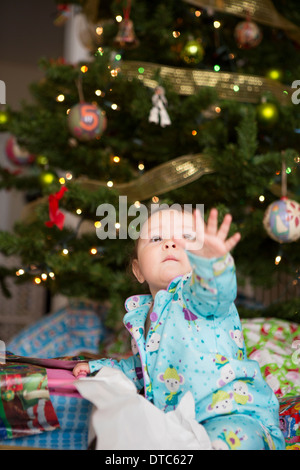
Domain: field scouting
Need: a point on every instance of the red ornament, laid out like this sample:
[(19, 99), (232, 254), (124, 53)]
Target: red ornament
[(55, 215)]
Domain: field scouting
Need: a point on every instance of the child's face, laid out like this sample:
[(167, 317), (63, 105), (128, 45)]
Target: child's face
[(159, 258)]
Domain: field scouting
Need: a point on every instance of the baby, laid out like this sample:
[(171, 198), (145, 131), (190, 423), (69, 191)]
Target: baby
[(187, 335)]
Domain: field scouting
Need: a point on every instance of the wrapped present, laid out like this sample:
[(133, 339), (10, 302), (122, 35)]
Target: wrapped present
[(40, 406), (290, 421)]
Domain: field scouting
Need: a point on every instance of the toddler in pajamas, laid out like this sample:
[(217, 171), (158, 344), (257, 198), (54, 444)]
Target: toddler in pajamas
[(187, 336)]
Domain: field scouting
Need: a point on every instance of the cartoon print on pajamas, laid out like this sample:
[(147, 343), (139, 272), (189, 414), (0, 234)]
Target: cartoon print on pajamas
[(220, 266), (221, 402), (240, 393), (153, 344), (227, 373), (229, 440), (172, 381), (238, 338)]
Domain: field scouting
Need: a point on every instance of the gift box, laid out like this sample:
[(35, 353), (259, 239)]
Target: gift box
[(290, 421), (40, 406)]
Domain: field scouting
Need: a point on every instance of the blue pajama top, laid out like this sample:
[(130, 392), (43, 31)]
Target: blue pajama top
[(195, 343)]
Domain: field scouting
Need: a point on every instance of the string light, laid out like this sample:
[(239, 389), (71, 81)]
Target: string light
[(116, 159), (114, 106), (84, 68), (176, 34), (155, 199), (198, 13), (119, 18), (261, 198), (69, 176), (117, 225), (93, 251), (78, 211), (98, 92), (20, 272), (194, 132), (44, 276), (65, 251), (99, 30), (114, 72), (277, 260), (110, 184), (62, 180), (60, 98), (217, 24), (217, 68), (97, 224), (52, 275), (37, 280), (141, 166)]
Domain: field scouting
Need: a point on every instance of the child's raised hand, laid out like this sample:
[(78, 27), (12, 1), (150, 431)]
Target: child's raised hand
[(81, 369), (211, 241)]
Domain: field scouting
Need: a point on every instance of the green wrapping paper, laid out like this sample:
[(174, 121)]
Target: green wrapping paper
[(25, 405)]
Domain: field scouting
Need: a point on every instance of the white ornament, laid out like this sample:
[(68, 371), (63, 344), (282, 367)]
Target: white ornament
[(158, 113)]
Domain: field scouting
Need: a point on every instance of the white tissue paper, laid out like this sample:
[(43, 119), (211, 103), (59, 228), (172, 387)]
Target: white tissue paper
[(122, 419)]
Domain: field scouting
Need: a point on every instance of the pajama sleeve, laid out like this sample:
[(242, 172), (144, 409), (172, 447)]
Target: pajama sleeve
[(211, 289), (131, 367)]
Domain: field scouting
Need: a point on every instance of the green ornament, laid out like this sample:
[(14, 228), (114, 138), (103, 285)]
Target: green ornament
[(193, 52)]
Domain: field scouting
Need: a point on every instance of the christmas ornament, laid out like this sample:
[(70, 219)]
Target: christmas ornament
[(126, 37), (192, 52), (46, 178), (3, 117), (267, 113), (282, 220), (247, 34), (158, 113), (86, 121), (56, 217), (275, 74), (16, 154)]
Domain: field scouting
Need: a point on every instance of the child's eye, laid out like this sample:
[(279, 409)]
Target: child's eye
[(189, 236), (155, 238)]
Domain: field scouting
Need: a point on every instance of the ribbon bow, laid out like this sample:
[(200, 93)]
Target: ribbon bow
[(55, 215)]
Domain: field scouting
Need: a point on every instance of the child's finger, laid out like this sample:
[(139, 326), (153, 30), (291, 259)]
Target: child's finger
[(225, 227), (212, 222), (233, 241)]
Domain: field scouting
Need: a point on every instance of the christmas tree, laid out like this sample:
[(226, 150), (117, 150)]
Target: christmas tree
[(189, 102)]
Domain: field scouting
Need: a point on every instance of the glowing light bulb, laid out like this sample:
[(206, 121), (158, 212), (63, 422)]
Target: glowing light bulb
[(60, 98), (277, 259)]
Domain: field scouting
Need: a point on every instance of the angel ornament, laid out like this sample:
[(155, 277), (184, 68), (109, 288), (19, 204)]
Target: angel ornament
[(158, 112)]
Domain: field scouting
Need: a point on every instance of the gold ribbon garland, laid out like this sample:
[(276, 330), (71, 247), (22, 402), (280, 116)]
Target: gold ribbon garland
[(161, 179), (231, 86), (262, 11)]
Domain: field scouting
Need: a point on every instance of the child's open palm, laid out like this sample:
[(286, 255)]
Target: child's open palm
[(211, 241)]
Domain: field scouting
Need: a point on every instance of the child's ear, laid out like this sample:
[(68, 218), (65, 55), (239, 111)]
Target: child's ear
[(137, 272)]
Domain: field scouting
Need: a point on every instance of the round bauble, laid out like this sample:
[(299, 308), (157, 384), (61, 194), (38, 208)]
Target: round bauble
[(46, 178), (282, 220), (247, 34), (267, 113), (193, 52), (16, 154), (86, 121)]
